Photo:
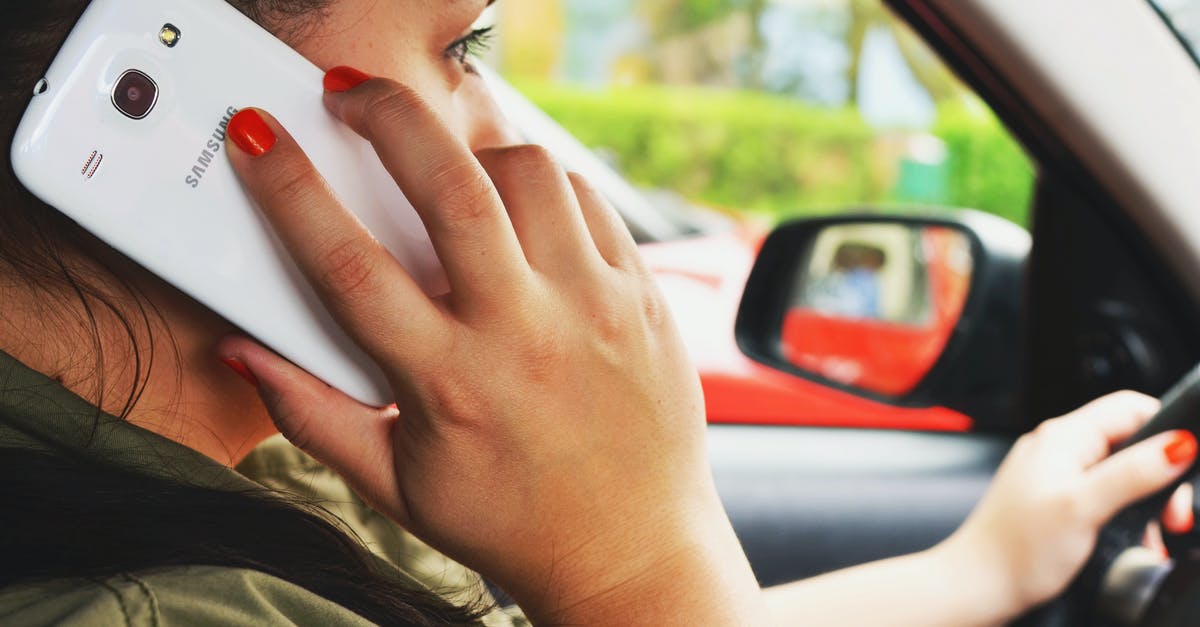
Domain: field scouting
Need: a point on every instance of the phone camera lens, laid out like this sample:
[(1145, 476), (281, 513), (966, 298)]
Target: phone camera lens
[(135, 94)]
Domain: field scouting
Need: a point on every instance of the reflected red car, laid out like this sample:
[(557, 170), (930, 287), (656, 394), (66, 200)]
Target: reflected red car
[(703, 279)]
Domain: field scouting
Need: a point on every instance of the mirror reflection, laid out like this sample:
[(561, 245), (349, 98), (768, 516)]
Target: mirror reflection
[(874, 304)]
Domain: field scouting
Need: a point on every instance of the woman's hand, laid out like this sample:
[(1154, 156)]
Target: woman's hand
[(1040, 520), (550, 430)]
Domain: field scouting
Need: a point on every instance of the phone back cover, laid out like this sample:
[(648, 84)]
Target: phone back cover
[(161, 189)]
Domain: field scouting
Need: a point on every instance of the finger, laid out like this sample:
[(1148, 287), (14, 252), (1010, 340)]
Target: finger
[(1117, 415), (452, 193), (608, 230), (542, 206), (351, 438), (1179, 515), (1153, 539), (1139, 471), (359, 281), (1110, 420)]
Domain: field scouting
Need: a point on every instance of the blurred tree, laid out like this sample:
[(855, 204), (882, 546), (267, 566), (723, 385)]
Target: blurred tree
[(669, 18), (695, 19), (672, 20), (864, 15), (927, 68), (758, 45), (533, 37)]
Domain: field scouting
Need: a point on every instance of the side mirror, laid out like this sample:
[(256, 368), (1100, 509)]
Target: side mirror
[(912, 311)]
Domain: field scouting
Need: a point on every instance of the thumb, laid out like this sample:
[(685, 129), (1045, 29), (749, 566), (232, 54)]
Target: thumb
[(353, 439), (1139, 471)]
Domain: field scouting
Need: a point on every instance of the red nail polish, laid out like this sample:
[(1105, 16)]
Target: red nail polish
[(241, 370), (250, 132), (1191, 521), (1181, 449), (343, 78)]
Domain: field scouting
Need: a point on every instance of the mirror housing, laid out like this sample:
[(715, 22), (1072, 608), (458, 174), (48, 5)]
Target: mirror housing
[(976, 371)]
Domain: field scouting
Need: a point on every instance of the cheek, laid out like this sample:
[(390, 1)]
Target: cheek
[(484, 125), (467, 109), (375, 52), (462, 101)]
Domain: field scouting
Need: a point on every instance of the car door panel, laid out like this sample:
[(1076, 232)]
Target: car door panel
[(807, 501)]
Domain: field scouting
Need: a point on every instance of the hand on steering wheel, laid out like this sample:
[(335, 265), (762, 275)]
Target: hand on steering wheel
[(1039, 522)]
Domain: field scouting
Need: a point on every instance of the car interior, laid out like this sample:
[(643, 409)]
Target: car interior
[(1105, 299)]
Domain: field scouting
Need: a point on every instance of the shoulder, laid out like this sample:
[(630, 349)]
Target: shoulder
[(280, 466), (199, 595)]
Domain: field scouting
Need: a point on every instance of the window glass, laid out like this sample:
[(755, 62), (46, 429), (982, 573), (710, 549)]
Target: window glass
[(763, 109), (1184, 17)]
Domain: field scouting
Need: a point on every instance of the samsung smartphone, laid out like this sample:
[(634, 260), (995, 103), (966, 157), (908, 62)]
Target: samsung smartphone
[(125, 135)]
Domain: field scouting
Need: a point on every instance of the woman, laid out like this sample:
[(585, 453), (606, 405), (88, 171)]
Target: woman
[(549, 429)]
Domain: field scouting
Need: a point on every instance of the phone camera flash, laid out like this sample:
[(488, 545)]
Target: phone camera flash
[(169, 35)]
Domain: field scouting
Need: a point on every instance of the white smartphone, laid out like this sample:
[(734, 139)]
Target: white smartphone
[(125, 136)]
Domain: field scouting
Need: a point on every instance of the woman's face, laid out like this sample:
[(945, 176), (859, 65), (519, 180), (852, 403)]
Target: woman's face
[(421, 43)]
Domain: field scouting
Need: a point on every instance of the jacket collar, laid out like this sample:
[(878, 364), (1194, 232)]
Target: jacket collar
[(37, 412)]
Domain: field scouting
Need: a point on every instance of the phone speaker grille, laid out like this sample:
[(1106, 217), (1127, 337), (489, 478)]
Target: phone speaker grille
[(92, 165)]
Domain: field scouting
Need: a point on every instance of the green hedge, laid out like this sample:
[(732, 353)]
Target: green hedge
[(763, 154), (988, 168)]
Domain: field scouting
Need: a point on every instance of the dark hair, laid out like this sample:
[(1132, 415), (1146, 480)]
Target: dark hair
[(136, 522), (61, 518)]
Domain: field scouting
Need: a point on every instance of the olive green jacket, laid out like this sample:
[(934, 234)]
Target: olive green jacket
[(37, 413)]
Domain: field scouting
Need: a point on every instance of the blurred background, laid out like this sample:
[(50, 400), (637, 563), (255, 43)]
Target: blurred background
[(764, 109)]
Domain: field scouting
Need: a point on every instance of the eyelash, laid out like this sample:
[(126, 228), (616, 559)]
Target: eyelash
[(471, 45)]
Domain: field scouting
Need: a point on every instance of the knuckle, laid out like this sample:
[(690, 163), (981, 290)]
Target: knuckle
[(465, 194), (1048, 428), (457, 404), (1135, 404), (582, 185), (446, 390), (543, 356), (1129, 421), (1127, 396), (616, 319), (655, 311), (295, 184), (346, 268), (1072, 505), (527, 159), (523, 165), (389, 106), (610, 322)]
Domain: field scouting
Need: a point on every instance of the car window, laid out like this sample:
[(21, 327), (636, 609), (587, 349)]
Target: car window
[(762, 110), (1184, 17)]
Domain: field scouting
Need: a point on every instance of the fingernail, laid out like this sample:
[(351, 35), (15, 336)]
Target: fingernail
[(241, 370), (343, 78), (1191, 521), (1181, 448), (250, 132)]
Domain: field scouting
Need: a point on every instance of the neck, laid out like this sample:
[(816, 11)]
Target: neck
[(149, 359)]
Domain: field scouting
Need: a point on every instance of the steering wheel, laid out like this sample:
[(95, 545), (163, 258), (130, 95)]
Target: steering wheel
[(1121, 585)]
